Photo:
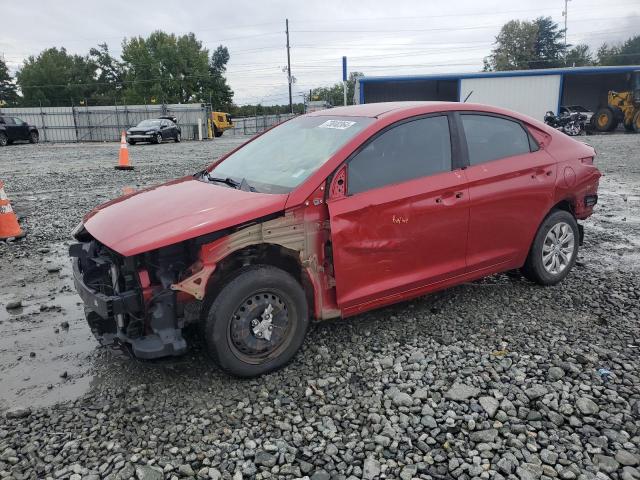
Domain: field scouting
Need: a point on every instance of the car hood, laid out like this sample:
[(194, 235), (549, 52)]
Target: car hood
[(173, 212)]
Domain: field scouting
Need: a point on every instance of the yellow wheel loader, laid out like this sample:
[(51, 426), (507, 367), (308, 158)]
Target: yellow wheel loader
[(219, 122), (621, 107)]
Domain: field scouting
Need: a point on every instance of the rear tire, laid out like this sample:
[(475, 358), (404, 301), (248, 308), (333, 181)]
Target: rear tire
[(258, 296), (131, 142), (4, 140), (217, 133), (554, 250), (178, 137), (34, 137), (605, 119)]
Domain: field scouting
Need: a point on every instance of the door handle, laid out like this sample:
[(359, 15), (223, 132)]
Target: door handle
[(458, 194)]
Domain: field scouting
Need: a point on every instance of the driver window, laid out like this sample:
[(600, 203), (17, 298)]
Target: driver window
[(414, 149)]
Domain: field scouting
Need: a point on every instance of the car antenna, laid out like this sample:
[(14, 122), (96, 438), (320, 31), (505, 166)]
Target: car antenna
[(467, 97)]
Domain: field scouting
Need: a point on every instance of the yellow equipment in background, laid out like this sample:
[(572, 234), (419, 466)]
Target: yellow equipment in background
[(220, 122), (621, 107)]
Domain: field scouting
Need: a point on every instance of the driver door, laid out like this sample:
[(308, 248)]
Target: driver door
[(402, 224)]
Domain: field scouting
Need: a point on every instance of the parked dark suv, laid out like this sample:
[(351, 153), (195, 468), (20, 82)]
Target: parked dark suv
[(14, 128)]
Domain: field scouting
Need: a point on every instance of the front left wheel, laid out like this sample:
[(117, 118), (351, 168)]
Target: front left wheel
[(554, 249), (257, 321)]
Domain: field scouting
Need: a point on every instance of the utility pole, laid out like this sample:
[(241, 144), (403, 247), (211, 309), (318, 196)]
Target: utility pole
[(289, 66), (565, 14)]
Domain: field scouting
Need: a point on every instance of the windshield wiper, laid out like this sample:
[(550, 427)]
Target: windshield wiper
[(242, 185), (228, 181)]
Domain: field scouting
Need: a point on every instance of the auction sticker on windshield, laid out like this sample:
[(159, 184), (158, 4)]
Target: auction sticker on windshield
[(337, 124)]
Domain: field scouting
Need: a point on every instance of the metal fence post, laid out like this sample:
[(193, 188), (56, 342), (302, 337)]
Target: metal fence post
[(44, 124), (75, 122)]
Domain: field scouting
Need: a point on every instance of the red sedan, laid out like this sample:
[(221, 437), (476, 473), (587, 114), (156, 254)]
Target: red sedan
[(328, 215)]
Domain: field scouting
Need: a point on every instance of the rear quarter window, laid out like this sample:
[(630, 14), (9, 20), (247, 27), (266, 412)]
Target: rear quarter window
[(491, 138)]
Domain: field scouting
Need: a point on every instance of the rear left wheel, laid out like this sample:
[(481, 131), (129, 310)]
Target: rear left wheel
[(554, 249), (178, 137), (257, 322), (34, 137), (4, 140)]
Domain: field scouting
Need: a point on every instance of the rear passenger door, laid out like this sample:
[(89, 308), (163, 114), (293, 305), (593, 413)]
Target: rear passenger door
[(403, 222), (511, 182)]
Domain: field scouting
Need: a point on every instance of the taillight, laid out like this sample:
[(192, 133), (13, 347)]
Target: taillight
[(587, 160)]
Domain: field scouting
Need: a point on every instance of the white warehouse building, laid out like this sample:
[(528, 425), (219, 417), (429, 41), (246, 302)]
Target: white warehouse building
[(532, 92)]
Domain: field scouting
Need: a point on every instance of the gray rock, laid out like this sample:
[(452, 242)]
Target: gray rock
[(265, 459), (185, 470), (14, 304), (630, 473), (555, 373), (214, 474), (320, 475), (605, 463), (505, 466), (484, 435), (587, 406), (401, 399), (535, 392), (548, 457), (623, 457), (490, 405), (21, 412), (409, 472), (144, 472), (371, 469), (460, 392)]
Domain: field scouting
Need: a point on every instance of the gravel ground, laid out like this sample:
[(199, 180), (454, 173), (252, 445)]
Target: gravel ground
[(492, 379)]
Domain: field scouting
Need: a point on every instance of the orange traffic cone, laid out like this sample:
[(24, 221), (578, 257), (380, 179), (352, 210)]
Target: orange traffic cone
[(9, 226), (123, 161)]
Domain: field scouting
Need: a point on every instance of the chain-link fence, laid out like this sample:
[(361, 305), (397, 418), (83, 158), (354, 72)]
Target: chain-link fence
[(106, 123)]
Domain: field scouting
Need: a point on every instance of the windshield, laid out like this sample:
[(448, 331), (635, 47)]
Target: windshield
[(286, 156), (149, 123)]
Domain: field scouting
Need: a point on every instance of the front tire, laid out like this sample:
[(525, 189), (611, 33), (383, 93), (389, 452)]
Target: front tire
[(217, 133), (257, 321), (554, 250), (131, 142), (178, 137), (605, 119), (158, 138), (4, 140), (636, 122)]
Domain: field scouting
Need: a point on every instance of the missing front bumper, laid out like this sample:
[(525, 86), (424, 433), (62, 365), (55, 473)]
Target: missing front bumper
[(151, 330)]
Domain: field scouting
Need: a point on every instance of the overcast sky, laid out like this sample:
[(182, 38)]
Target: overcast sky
[(379, 37)]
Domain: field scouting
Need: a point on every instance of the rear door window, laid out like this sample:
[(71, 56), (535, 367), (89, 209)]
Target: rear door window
[(491, 138), (413, 149), (9, 121)]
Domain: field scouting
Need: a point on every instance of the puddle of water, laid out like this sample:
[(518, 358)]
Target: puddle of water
[(42, 360)]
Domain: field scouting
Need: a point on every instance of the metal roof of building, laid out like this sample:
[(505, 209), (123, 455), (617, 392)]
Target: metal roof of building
[(507, 73)]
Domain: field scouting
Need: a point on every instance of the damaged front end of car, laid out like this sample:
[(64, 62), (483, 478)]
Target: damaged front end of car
[(129, 300)]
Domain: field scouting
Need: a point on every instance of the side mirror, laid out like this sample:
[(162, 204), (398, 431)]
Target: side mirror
[(24, 124)]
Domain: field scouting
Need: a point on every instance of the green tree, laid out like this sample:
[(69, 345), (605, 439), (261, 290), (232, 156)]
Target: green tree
[(626, 54), (514, 47), (579, 56), (220, 94), (8, 94), (335, 93), (166, 68), (56, 78), (110, 76), (523, 45)]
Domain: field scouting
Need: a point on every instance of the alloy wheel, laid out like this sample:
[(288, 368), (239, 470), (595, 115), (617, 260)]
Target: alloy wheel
[(558, 248)]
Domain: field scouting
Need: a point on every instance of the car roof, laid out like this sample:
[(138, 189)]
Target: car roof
[(374, 110)]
